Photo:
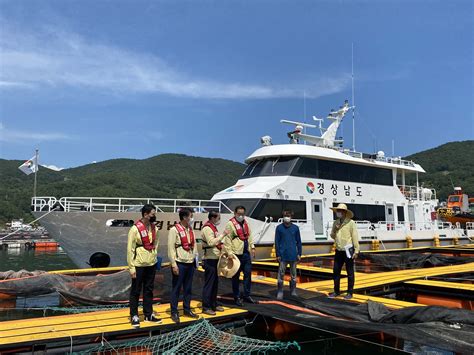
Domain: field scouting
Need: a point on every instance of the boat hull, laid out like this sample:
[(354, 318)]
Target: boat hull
[(81, 234)]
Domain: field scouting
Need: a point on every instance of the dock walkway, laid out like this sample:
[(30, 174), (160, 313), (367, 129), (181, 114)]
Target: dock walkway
[(94, 324)]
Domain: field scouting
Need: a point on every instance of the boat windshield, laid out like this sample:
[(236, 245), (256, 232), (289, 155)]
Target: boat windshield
[(314, 168), (248, 203), (453, 198), (275, 166)]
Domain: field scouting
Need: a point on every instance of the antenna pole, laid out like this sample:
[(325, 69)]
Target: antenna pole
[(304, 106), (304, 111), (353, 103), (36, 173)]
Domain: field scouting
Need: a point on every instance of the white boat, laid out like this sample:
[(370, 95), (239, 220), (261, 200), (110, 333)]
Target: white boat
[(309, 175)]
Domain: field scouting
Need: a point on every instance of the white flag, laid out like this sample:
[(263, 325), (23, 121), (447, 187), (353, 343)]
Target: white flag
[(29, 166)]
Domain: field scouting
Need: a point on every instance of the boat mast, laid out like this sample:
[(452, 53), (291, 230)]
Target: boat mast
[(304, 111), (353, 103)]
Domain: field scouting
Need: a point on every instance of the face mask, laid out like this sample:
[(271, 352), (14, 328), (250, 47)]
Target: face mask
[(286, 219), (239, 218), (339, 214), (152, 219), (191, 221), (217, 222)]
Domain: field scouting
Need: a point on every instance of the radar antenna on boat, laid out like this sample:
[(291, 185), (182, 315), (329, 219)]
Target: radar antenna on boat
[(327, 136)]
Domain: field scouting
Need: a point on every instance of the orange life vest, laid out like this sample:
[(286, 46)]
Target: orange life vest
[(184, 238), (242, 233), (214, 229), (144, 235)]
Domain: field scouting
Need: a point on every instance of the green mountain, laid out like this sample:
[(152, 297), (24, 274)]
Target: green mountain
[(181, 176), (447, 165), (167, 176)]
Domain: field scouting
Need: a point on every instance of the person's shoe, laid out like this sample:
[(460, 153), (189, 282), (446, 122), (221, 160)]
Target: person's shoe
[(135, 322), (209, 312), (348, 296), (219, 309), (175, 318), (280, 291), (293, 289), (191, 314), (153, 319), (249, 300), (333, 295), (238, 302)]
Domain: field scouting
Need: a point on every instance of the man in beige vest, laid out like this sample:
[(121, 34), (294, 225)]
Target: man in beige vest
[(212, 247), (182, 253), (344, 232), (239, 242), (142, 248)]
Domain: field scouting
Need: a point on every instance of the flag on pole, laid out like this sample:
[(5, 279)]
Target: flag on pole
[(29, 166)]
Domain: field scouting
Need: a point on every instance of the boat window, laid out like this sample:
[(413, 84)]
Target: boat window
[(276, 166), (274, 209), (248, 169), (453, 199), (332, 170), (248, 203), (401, 213), (372, 213)]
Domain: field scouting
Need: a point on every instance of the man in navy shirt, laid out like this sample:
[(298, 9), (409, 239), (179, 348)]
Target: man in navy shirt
[(288, 251)]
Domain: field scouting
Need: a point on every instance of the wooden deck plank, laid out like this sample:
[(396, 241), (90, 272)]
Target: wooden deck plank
[(91, 323)]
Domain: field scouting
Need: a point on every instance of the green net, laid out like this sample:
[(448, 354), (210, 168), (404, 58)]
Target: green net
[(199, 338)]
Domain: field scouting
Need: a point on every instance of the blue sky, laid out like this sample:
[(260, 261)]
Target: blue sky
[(93, 80)]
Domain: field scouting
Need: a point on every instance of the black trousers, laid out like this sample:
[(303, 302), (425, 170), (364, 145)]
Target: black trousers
[(184, 280), (211, 283), (246, 268), (340, 258), (145, 281)]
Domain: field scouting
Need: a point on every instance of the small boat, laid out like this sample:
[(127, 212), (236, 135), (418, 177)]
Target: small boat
[(459, 209)]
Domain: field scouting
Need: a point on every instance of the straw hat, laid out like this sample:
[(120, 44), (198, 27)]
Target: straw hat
[(228, 265), (343, 207)]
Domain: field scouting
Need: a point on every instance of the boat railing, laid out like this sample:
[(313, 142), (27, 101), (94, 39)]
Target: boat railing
[(444, 225), (401, 226), (353, 154), (119, 204), (363, 225), (43, 203), (417, 193), (375, 158), (395, 160), (295, 221)]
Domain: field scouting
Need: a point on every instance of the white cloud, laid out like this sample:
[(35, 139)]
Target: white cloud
[(52, 167), (17, 136), (51, 58), (12, 84)]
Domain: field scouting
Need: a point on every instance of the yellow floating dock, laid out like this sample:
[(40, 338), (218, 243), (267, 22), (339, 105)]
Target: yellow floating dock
[(358, 298), (17, 333), (88, 327), (443, 284), (311, 269), (365, 281)]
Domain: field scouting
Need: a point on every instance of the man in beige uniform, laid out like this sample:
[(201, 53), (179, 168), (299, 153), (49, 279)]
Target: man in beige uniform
[(239, 242), (344, 232), (182, 253), (142, 248), (212, 246)]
